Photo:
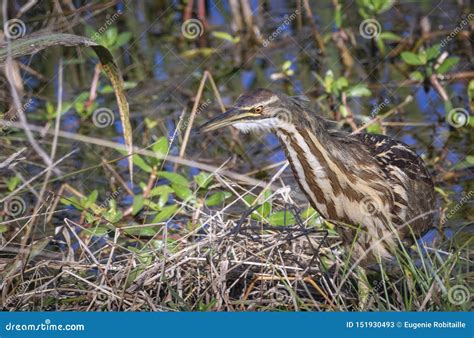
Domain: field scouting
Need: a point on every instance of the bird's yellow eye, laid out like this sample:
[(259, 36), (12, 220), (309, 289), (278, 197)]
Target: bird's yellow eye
[(258, 109)]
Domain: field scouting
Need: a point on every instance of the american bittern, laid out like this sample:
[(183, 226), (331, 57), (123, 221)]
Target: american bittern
[(374, 188)]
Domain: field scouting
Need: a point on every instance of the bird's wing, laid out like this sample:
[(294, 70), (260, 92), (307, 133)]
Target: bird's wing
[(394, 157), (392, 153)]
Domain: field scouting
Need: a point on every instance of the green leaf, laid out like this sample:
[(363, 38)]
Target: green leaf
[(286, 65), (341, 83), (160, 190), (264, 210), (122, 39), (470, 91), (417, 76), (98, 231), (3, 228), (12, 182), (423, 56), (174, 178), (163, 191), (150, 123), (328, 81), (338, 15), (182, 191), (152, 205), (140, 163), (203, 179), (148, 231), (161, 146), (166, 213), (217, 198), (343, 110), (282, 218), (138, 203), (447, 65), (111, 36), (374, 128), (389, 36), (412, 59), (90, 218), (380, 45), (107, 89), (192, 53), (224, 36), (308, 213), (92, 198), (433, 52), (358, 91), (113, 215), (72, 201)]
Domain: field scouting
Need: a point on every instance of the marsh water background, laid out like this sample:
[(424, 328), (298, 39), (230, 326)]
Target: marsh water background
[(163, 67)]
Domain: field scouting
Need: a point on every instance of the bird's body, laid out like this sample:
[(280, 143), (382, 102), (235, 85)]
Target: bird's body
[(375, 189)]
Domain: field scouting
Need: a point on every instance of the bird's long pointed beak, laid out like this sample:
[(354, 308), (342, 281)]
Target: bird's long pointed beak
[(222, 120)]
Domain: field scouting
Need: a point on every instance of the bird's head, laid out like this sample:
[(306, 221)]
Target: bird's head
[(259, 109)]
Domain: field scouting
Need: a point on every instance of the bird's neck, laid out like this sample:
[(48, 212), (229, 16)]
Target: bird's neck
[(316, 169)]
